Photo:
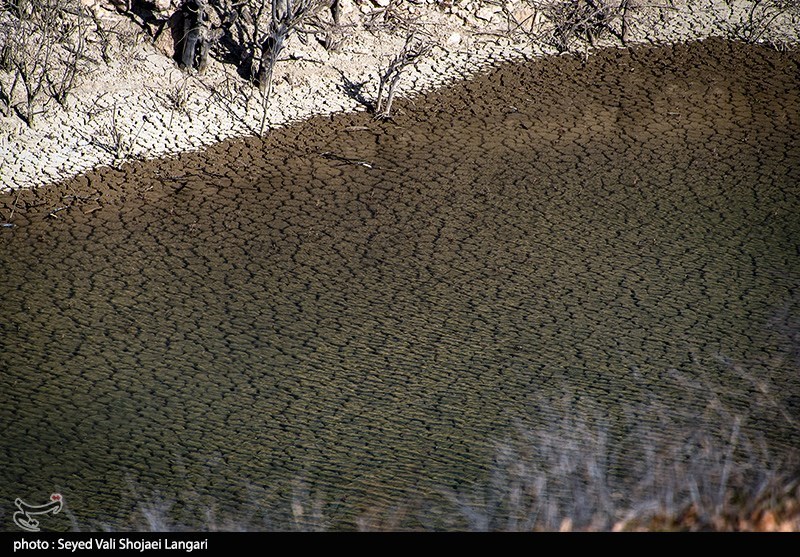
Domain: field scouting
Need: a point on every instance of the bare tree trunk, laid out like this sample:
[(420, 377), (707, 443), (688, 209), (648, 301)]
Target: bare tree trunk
[(411, 52), (287, 15), (390, 94), (273, 45), (196, 34)]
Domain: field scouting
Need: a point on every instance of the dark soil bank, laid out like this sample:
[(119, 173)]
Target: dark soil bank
[(354, 311)]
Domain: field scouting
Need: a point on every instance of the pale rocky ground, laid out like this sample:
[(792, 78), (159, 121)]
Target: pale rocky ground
[(162, 110)]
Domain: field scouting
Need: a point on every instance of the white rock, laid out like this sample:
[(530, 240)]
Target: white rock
[(486, 13)]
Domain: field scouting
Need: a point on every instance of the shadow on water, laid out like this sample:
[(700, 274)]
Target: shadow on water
[(357, 310)]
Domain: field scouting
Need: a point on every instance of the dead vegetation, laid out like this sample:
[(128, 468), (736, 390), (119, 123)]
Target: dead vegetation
[(414, 48), (48, 47), (570, 25), (42, 54), (760, 16), (287, 17), (578, 473), (724, 459)]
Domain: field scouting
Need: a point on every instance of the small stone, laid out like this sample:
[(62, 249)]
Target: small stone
[(162, 5), (454, 39)]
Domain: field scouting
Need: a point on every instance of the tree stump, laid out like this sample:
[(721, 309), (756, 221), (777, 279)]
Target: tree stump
[(197, 34)]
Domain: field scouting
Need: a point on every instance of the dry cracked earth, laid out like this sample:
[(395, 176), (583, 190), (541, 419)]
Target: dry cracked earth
[(361, 308)]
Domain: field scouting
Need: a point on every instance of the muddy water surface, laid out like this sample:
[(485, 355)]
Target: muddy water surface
[(353, 311)]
